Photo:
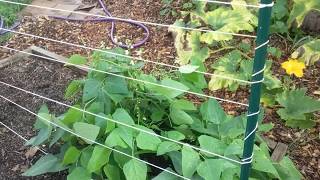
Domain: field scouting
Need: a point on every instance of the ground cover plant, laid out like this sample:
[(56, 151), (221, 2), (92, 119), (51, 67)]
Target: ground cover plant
[(151, 108), (9, 14)]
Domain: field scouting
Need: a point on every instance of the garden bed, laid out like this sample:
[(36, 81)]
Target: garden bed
[(39, 76), (303, 145)]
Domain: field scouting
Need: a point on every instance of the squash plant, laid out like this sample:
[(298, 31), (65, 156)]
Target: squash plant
[(150, 108)]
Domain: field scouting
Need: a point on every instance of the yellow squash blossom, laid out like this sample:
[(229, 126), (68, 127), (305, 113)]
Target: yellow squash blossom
[(293, 66)]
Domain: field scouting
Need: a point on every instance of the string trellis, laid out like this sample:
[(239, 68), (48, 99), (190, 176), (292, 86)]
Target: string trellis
[(257, 78)]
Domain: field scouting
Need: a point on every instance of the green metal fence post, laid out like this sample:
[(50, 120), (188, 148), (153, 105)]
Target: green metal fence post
[(257, 78)]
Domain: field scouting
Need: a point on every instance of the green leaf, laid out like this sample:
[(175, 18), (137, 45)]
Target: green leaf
[(86, 155), (226, 20), (167, 146), (71, 155), (187, 69), (135, 170), (300, 9), (73, 88), (116, 85), (120, 137), (112, 172), (183, 105), (212, 111), (166, 176), (77, 59), (180, 117), (90, 89), (99, 158), (212, 145), (175, 135), (146, 141), (176, 158), (287, 169), (79, 173), (123, 116), (190, 161), (211, 169), (73, 115), (171, 93), (309, 52), (297, 112), (263, 163), (88, 131), (47, 163)]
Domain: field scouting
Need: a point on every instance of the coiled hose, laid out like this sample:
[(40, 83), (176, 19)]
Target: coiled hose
[(104, 19)]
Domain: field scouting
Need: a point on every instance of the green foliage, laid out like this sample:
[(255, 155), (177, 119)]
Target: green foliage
[(153, 109), (308, 52), (300, 9), (297, 114), (233, 65)]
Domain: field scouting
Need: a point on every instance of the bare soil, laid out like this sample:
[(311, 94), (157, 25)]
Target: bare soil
[(43, 78)]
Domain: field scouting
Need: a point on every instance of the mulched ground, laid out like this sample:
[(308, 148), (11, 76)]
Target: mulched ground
[(39, 76), (303, 145)]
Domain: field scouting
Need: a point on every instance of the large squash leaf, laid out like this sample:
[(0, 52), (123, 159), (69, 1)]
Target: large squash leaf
[(300, 9), (297, 108)]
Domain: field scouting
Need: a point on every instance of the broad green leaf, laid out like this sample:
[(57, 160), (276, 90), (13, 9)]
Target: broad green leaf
[(90, 89), (42, 136), (87, 131), (226, 20), (147, 141), (171, 93), (308, 53), (263, 163), (212, 111), (73, 88), (96, 107), (120, 159), (43, 114), (71, 155), (135, 170), (112, 172), (167, 146), (300, 9), (166, 176), (212, 145), (47, 163), (287, 169), (119, 137), (293, 111), (77, 59), (183, 105), (180, 117), (100, 156), (72, 116), (79, 173), (116, 85), (85, 156), (175, 135), (176, 158), (56, 136), (235, 148), (187, 69), (190, 161), (211, 169), (123, 116)]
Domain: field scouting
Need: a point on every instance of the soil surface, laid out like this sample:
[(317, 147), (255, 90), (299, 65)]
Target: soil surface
[(303, 145), (39, 76)]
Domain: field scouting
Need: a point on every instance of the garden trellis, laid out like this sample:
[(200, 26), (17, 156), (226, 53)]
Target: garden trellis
[(254, 100)]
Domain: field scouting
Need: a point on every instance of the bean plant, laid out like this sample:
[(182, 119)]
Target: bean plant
[(151, 108)]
